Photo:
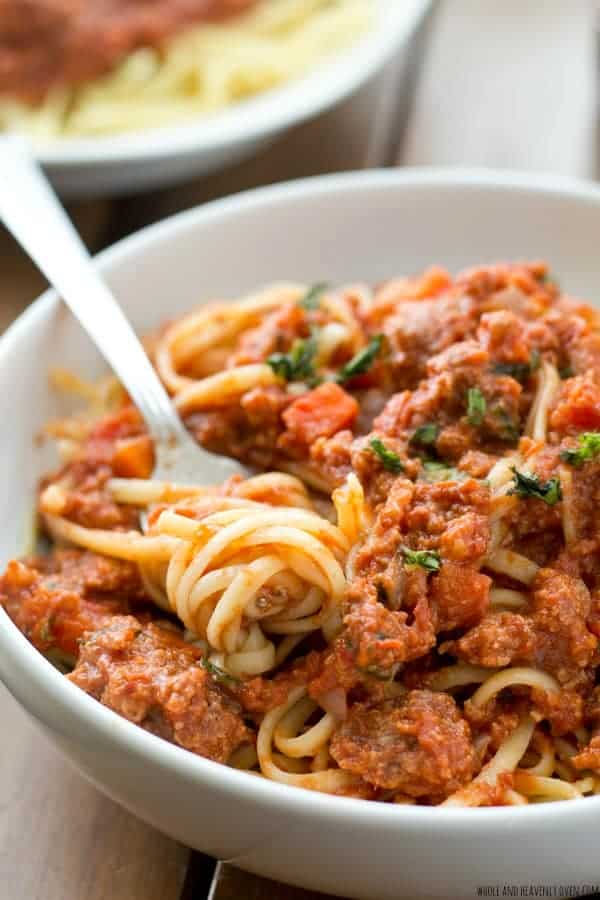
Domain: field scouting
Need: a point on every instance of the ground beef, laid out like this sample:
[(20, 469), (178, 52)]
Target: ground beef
[(248, 431), (551, 634), (578, 407), (149, 675), (259, 695), (382, 639), (275, 334), (117, 446), (55, 600), (419, 745), (459, 597), (501, 638), (560, 605)]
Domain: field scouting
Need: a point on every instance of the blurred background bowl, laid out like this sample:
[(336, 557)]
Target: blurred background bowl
[(165, 156)]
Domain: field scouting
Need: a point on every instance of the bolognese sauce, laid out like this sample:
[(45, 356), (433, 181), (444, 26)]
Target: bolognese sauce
[(50, 43), (405, 605)]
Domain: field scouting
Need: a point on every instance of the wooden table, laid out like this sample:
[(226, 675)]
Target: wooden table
[(503, 83)]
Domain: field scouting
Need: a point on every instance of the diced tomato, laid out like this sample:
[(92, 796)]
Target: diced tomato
[(320, 413), (133, 457)]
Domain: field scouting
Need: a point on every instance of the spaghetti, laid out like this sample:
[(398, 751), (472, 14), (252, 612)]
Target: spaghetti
[(405, 605)]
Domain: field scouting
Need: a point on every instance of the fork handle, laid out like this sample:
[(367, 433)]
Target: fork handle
[(32, 212)]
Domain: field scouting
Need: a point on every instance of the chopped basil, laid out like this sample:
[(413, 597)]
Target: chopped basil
[(476, 406), (520, 371), (434, 470), (362, 361), (389, 460), (378, 673), (426, 559), (529, 485), (425, 435), (589, 448), (509, 429), (435, 465), (298, 364), (566, 372), (217, 673), (312, 298)]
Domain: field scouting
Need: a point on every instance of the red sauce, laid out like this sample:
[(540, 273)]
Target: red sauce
[(49, 43)]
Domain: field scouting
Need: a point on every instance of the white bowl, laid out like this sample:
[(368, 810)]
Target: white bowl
[(133, 162), (359, 226)]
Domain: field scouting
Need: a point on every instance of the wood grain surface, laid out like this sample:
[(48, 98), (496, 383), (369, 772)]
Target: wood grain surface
[(504, 83)]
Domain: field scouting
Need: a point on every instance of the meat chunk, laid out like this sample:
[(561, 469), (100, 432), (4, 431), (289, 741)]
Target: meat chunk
[(383, 639), (451, 517), (459, 596), (393, 608), (54, 601), (248, 430), (499, 639), (578, 407), (116, 445), (419, 745), (552, 634), (589, 756), (560, 605), (276, 333), (259, 695), (150, 676)]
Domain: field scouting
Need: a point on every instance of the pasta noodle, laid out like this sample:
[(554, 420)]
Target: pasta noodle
[(240, 571)]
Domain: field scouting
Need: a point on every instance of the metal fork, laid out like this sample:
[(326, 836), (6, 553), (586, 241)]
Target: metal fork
[(32, 212)]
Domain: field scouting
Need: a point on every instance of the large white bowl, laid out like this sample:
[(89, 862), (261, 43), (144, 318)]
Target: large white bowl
[(361, 226), (164, 156)]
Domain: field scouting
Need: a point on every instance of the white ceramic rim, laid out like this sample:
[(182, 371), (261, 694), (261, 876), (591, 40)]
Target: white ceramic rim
[(130, 738), (257, 117)]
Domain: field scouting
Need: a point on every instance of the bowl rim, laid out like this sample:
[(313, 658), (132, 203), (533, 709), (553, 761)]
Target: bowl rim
[(331, 81), (55, 692)]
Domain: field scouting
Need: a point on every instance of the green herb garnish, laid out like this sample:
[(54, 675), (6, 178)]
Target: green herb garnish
[(362, 361), (425, 435), (426, 559), (435, 465), (389, 460), (378, 673), (566, 372), (476, 406), (216, 671), (312, 298), (509, 429), (298, 364), (520, 371), (589, 448), (435, 470), (529, 485)]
